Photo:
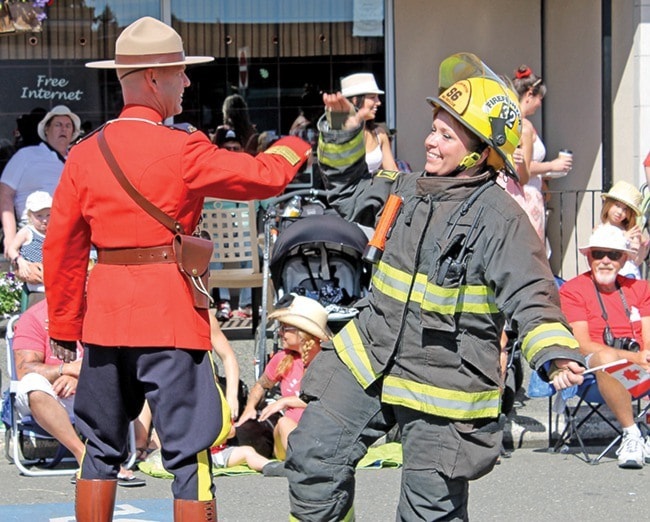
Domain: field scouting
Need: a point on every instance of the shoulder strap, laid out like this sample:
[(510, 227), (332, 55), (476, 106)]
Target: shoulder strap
[(149, 207)]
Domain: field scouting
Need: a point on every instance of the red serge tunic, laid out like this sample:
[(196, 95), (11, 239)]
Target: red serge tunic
[(143, 305)]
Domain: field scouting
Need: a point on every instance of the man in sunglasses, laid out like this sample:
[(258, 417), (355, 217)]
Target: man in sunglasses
[(610, 317)]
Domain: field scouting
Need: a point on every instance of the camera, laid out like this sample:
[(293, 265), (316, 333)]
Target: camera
[(621, 343)]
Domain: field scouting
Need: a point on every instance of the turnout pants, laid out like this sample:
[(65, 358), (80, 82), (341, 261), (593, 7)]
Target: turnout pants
[(342, 420), (188, 409)]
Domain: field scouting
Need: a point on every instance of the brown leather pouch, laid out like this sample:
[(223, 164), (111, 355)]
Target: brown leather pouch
[(193, 256)]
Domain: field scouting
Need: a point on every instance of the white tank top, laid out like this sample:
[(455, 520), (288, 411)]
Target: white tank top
[(539, 153), (375, 157)]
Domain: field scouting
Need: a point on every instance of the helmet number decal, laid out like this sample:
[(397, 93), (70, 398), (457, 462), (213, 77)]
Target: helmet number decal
[(509, 114), (458, 96)]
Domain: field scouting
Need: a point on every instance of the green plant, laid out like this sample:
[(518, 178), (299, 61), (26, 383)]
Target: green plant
[(11, 290)]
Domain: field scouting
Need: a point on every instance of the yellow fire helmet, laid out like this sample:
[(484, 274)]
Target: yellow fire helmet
[(489, 109)]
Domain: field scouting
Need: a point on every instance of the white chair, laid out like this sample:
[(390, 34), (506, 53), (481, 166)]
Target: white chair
[(32, 449)]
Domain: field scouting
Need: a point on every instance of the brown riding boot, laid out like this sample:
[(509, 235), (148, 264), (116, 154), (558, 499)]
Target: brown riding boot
[(195, 510), (95, 500)]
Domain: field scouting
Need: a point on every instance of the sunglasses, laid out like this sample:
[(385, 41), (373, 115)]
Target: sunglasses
[(613, 255), (282, 329)]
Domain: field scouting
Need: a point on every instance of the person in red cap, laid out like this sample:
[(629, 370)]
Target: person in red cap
[(143, 336)]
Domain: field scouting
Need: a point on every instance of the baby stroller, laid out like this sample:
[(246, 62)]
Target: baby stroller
[(321, 257), (316, 254)]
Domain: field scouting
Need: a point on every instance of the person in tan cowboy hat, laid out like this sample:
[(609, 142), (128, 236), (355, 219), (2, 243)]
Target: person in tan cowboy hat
[(622, 208), (303, 326), (138, 319)]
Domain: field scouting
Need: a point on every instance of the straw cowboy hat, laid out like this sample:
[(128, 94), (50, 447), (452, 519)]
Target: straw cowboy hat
[(304, 313), (148, 42), (59, 110), (625, 193), (607, 237), (359, 83)]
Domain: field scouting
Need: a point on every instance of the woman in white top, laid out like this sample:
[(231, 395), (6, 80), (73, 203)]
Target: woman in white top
[(362, 90)]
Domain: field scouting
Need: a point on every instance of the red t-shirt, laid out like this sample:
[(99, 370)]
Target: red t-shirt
[(30, 333), (580, 303)]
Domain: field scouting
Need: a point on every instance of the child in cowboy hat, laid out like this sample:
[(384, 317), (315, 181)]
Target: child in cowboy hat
[(303, 326), (621, 208)]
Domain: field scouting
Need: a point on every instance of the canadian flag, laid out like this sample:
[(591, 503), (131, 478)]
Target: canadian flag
[(635, 379)]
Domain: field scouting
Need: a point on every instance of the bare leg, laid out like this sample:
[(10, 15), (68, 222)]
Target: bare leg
[(53, 418), (248, 455), (281, 436)]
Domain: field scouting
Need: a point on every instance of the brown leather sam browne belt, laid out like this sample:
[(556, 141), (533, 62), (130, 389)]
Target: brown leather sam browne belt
[(136, 256)]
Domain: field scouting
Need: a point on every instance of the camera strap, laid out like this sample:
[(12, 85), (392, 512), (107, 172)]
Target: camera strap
[(623, 300)]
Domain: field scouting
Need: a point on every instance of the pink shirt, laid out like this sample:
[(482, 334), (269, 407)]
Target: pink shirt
[(290, 381), (30, 333)]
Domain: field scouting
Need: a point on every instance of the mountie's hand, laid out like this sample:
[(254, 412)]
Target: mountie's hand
[(66, 351)]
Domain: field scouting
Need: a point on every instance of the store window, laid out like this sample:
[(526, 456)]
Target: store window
[(266, 50)]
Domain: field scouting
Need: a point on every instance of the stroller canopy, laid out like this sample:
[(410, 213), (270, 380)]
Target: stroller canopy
[(330, 229)]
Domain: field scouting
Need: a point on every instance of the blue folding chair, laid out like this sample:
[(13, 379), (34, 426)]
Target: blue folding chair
[(589, 396)]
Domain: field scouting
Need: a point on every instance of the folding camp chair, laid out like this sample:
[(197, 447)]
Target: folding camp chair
[(32, 449), (589, 397)]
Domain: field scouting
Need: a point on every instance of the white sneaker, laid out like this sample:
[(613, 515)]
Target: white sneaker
[(631, 453)]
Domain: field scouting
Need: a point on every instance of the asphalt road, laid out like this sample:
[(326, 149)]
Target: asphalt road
[(532, 485)]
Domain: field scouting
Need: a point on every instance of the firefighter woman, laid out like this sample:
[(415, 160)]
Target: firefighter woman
[(461, 258)]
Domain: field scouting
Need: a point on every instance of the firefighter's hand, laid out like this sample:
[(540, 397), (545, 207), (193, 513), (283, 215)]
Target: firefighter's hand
[(64, 350), (341, 114), (565, 373)]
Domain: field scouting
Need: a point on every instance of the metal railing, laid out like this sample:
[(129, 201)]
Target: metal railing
[(571, 217)]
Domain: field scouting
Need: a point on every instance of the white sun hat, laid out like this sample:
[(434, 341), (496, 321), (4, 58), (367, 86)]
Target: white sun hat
[(59, 110), (607, 237), (359, 83), (148, 42)]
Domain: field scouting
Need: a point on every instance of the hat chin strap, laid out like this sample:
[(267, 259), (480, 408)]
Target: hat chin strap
[(132, 71), (466, 163)]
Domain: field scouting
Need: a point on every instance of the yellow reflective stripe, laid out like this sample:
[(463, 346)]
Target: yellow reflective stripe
[(349, 346), (451, 404), (440, 300), (204, 475), (340, 155), (392, 282), (545, 335), (226, 418), (471, 299)]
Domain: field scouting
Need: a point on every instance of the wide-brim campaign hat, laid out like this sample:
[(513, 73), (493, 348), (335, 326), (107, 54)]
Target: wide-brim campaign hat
[(607, 237), (358, 84), (59, 110), (148, 42), (304, 313), (625, 193)]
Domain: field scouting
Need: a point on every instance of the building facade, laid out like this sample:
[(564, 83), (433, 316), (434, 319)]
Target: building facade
[(593, 56)]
